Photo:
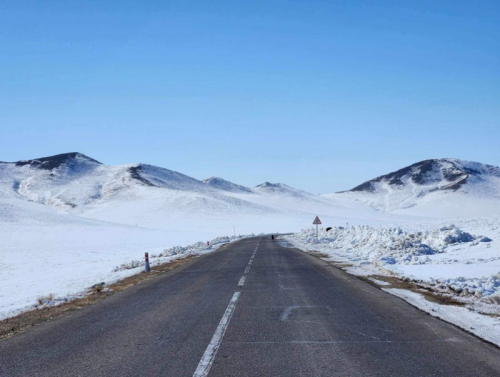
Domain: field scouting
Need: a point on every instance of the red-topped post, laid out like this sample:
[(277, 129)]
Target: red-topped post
[(147, 268)]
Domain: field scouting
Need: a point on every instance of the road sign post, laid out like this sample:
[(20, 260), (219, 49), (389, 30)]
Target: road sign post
[(146, 265), (317, 222)]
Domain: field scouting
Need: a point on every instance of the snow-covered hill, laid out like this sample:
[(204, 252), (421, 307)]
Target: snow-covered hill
[(73, 180), (148, 196), (443, 187), (280, 189), (432, 175), (222, 184), (145, 195)]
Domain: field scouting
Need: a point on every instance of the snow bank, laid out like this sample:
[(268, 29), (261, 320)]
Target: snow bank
[(466, 288), (177, 252), (383, 246)]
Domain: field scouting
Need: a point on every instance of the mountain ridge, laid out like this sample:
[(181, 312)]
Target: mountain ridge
[(53, 162), (74, 180), (455, 173), (433, 186), (225, 185)]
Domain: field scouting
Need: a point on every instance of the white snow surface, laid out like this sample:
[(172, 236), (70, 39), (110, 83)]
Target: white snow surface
[(69, 223)]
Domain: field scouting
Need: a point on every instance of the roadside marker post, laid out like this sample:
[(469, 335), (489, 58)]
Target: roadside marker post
[(317, 222), (147, 268)]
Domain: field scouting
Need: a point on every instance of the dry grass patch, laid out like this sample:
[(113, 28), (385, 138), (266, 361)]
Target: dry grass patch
[(396, 282), (42, 299), (319, 254)]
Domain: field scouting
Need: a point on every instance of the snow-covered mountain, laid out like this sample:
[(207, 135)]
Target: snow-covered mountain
[(280, 189), (222, 184), (140, 194), (74, 180), (434, 185), (438, 174)]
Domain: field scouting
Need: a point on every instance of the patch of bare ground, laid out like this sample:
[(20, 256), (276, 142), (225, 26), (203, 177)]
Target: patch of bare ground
[(319, 254), (341, 265), (24, 321), (396, 282), (492, 315)]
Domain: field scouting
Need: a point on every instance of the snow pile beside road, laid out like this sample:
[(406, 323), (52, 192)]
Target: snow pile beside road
[(466, 288), (198, 248), (383, 246), (177, 252)]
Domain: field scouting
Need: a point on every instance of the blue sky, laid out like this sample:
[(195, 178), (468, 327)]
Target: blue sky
[(321, 95)]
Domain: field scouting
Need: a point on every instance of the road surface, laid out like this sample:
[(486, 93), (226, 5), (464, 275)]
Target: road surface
[(255, 308)]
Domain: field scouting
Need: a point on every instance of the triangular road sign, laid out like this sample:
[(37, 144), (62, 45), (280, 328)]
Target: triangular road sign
[(317, 221)]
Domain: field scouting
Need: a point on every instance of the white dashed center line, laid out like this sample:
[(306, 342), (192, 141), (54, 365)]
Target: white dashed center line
[(208, 357), (242, 281), (211, 351)]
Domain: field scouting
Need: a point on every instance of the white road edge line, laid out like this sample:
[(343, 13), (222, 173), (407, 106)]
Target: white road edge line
[(209, 355), (242, 281)]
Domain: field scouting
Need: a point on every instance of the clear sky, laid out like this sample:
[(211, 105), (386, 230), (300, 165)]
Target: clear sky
[(321, 95)]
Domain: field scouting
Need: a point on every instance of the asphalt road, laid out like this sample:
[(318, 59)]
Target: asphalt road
[(294, 315)]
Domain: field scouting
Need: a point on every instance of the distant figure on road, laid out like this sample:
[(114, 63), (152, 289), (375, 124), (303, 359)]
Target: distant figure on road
[(272, 236)]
